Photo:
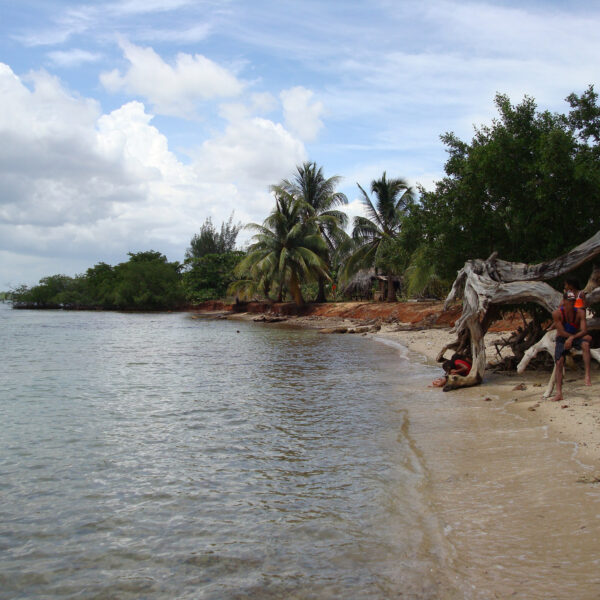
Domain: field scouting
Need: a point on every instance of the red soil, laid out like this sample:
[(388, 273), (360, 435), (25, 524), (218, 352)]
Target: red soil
[(426, 314)]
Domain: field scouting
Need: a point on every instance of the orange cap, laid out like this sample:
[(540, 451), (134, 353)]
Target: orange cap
[(579, 303)]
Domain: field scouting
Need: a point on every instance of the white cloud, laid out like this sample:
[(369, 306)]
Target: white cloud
[(251, 154), (140, 7), (73, 58), (302, 115), (78, 186), (189, 35), (172, 90)]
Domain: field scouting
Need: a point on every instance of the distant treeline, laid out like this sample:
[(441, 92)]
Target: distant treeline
[(527, 186), (147, 281)]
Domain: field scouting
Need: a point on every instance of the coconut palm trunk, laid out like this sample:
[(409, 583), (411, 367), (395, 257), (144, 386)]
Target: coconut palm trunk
[(295, 290), (391, 291), (321, 296)]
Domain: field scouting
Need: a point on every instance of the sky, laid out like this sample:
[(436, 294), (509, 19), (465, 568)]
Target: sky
[(124, 124)]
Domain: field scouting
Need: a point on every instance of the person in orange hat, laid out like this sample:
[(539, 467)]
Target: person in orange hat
[(571, 332)]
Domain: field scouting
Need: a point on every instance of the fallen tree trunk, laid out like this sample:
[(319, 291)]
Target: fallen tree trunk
[(485, 284)]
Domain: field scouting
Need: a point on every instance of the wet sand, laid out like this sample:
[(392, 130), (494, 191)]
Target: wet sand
[(513, 479), (575, 420)]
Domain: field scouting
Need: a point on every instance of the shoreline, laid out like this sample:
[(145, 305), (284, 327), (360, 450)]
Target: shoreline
[(512, 481), (575, 420)]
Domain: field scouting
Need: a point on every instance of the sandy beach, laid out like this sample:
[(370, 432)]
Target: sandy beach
[(575, 420)]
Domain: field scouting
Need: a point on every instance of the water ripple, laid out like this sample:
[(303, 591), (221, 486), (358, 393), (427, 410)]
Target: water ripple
[(157, 456)]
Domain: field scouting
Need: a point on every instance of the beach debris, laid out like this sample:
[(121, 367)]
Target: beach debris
[(485, 285), (363, 329), (532, 408), (589, 478), (268, 319), (521, 387), (565, 406), (334, 330), (488, 399)]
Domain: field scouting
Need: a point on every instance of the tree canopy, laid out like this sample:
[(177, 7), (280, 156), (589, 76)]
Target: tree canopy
[(287, 249), (211, 241), (321, 202), (375, 236), (527, 187), (147, 281)]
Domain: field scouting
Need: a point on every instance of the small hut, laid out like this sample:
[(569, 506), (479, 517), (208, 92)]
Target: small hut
[(360, 287)]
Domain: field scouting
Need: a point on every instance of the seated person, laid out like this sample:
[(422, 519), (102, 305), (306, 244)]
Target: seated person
[(457, 365), (571, 332)]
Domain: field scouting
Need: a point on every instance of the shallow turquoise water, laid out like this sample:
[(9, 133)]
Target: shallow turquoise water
[(160, 456)]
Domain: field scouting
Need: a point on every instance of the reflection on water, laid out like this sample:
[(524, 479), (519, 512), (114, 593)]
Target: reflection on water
[(158, 456)]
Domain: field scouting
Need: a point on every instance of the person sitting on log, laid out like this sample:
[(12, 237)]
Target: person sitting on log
[(571, 332), (457, 365)]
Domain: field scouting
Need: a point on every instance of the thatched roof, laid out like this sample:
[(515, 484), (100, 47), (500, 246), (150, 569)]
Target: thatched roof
[(362, 282)]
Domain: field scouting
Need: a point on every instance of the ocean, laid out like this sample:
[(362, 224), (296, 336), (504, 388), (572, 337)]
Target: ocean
[(165, 456)]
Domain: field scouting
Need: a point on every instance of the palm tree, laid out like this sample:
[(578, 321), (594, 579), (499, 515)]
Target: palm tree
[(376, 233), (287, 248), (321, 201)]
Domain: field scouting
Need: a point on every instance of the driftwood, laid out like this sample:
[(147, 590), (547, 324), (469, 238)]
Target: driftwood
[(485, 284)]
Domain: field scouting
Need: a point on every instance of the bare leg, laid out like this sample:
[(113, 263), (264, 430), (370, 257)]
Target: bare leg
[(559, 378), (585, 349), (550, 386)]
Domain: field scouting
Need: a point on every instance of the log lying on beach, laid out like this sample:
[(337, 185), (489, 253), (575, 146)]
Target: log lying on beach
[(269, 319), (485, 284)]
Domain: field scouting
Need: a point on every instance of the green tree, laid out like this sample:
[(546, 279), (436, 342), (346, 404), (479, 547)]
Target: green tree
[(211, 241), (375, 235), (101, 281), (321, 203), (208, 277), (147, 281), (527, 187), (287, 248)]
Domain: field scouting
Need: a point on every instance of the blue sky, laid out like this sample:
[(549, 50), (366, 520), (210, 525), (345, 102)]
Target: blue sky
[(125, 124)]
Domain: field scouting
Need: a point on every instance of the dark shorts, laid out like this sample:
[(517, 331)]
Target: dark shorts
[(559, 349)]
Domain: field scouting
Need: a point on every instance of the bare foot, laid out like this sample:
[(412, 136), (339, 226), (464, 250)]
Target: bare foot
[(588, 381), (556, 398)]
